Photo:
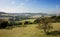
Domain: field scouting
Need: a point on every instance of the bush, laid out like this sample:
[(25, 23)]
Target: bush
[(45, 24), (53, 33), (11, 23), (55, 19), (20, 23), (37, 20), (30, 23), (3, 24), (26, 22)]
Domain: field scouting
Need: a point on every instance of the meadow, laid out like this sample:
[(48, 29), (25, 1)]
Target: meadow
[(28, 31)]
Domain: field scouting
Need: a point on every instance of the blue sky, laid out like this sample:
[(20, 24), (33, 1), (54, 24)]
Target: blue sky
[(32, 6)]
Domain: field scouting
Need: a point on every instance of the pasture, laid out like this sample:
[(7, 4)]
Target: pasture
[(31, 20), (28, 31)]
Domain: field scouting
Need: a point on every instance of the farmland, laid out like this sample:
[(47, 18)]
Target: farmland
[(29, 18), (29, 27)]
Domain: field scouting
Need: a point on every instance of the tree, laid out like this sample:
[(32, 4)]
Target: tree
[(26, 22), (37, 20), (45, 24), (3, 24)]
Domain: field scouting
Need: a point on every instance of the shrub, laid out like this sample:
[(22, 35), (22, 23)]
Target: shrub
[(3, 24), (37, 20), (26, 22), (20, 23), (45, 24), (53, 33)]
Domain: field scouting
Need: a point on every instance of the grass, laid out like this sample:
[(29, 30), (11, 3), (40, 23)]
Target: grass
[(56, 26), (29, 31), (31, 20)]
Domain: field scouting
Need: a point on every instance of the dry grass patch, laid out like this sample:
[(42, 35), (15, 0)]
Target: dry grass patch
[(29, 31)]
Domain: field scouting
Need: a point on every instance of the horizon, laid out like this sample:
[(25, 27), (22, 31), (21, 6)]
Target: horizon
[(32, 6)]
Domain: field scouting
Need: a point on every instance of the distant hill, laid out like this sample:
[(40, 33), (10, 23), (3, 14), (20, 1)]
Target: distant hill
[(2, 13), (27, 14)]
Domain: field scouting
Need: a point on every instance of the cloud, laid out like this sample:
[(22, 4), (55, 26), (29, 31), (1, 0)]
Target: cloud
[(18, 9), (9, 6), (19, 6)]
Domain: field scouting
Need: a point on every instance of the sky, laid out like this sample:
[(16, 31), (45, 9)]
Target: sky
[(30, 6)]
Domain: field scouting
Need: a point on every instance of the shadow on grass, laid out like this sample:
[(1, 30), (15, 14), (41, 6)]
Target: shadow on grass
[(53, 33), (11, 27)]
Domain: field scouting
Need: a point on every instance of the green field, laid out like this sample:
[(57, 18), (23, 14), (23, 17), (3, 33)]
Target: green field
[(29, 31), (31, 20)]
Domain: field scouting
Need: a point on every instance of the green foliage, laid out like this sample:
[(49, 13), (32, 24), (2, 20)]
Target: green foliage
[(3, 24), (45, 24), (37, 20), (55, 18), (53, 33), (26, 22)]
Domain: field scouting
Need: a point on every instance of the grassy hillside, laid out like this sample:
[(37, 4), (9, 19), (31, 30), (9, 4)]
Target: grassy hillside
[(56, 26), (29, 31)]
